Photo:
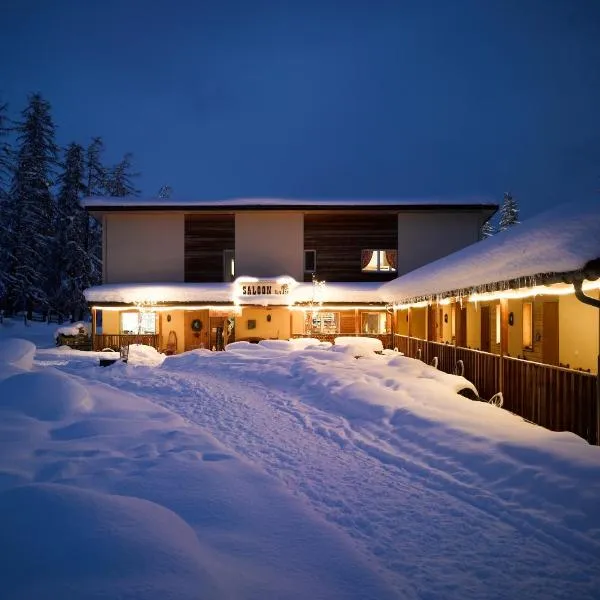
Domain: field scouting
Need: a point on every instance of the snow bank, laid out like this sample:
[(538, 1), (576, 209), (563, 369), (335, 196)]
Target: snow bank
[(17, 353), (142, 355), (283, 345), (74, 329), (45, 395), (371, 344), (301, 343), (64, 542)]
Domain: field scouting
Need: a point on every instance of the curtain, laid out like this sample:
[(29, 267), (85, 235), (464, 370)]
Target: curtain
[(392, 256), (365, 258)]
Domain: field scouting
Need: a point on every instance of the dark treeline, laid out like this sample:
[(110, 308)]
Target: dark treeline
[(50, 249)]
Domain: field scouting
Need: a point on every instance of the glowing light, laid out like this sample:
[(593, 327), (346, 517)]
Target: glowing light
[(422, 304), (558, 289), (232, 307)]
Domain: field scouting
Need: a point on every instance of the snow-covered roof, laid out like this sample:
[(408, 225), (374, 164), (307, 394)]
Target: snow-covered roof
[(185, 293), (133, 203), (561, 240)]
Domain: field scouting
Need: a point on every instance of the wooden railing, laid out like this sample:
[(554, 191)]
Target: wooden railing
[(117, 341), (554, 397)]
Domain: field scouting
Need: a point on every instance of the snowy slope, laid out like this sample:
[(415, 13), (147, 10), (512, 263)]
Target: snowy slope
[(301, 473)]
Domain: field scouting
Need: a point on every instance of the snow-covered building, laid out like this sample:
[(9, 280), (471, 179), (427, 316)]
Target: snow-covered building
[(202, 273), (508, 309)]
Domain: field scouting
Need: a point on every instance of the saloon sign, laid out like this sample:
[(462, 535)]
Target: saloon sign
[(265, 288)]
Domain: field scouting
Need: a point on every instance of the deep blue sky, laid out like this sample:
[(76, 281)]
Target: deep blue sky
[(322, 99)]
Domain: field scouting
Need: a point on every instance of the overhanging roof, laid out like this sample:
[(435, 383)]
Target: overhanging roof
[(555, 246)]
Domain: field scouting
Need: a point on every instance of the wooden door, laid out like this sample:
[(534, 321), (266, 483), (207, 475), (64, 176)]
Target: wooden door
[(461, 326), (550, 333), (197, 328), (485, 328)]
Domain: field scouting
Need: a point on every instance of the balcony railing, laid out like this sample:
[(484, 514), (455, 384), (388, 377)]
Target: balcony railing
[(117, 341), (553, 397)]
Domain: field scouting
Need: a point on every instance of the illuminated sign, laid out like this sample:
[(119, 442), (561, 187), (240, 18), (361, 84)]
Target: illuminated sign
[(265, 288)]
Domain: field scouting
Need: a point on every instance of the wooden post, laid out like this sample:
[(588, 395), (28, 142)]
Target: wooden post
[(356, 323), (503, 339)]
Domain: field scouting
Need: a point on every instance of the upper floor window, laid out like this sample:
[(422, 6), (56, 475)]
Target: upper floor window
[(138, 322), (310, 261), (229, 265), (379, 261)]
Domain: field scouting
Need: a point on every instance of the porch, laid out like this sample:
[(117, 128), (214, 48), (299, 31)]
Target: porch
[(116, 341), (557, 398)]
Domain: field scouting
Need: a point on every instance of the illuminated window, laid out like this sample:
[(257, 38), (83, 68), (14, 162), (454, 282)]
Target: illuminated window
[(310, 261), (527, 325), (378, 261), (325, 322), (229, 265), (135, 323), (498, 323), (373, 322)]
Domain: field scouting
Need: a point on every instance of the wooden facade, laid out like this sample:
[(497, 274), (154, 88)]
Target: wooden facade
[(207, 236), (340, 238)]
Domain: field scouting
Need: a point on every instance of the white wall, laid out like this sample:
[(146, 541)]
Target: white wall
[(269, 244), (425, 236), (143, 248)]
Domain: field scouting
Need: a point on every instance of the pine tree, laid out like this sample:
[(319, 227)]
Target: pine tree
[(165, 191), (509, 212), (119, 182), (96, 185), (70, 256), (487, 229), (31, 208), (5, 171)]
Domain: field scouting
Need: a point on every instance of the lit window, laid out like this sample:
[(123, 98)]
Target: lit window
[(373, 322), (527, 325), (498, 323), (378, 261), (135, 323), (325, 322), (310, 261), (229, 265)]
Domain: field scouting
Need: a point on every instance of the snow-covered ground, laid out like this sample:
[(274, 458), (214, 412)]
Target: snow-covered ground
[(283, 470)]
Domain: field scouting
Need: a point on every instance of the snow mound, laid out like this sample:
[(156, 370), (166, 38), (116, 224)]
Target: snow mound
[(284, 345), (242, 345), (59, 542), (17, 353), (301, 343), (74, 329), (188, 361), (46, 395), (368, 344), (148, 356)]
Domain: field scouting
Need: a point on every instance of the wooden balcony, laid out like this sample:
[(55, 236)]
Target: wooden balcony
[(553, 397), (117, 341)]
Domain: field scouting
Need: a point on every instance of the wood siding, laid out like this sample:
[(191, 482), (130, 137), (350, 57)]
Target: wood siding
[(340, 238), (206, 237)]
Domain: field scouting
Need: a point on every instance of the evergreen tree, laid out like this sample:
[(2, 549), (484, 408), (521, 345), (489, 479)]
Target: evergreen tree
[(119, 182), (487, 230), (5, 171), (70, 256), (31, 208), (165, 191), (96, 185), (509, 212)]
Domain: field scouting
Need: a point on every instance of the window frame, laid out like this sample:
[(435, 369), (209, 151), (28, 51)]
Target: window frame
[(380, 320), (314, 259), (137, 313), (228, 264), (318, 314), (380, 252), (530, 328)]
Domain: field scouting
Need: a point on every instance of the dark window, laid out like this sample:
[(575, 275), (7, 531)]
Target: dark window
[(310, 261)]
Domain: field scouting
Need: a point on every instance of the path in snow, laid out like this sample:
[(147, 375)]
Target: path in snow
[(423, 514)]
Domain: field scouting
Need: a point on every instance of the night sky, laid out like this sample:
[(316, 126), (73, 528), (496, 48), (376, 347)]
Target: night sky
[(322, 99)]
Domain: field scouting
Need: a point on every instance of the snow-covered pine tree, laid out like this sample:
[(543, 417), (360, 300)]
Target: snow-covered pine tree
[(70, 256), (119, 181), (5, 170), (31, 208), (487, 230), (96, 185), (165, 191), (509, 212)]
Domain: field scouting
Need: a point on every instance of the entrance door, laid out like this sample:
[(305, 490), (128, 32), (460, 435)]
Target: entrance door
[(485, 328), (550, 333), (197, 327), (461, 326)]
